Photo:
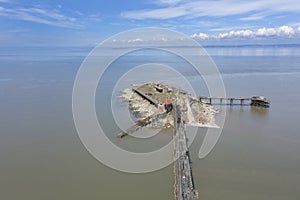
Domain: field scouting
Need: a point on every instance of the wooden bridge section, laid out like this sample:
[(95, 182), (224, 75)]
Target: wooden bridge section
[(253, 101), (184, 183)]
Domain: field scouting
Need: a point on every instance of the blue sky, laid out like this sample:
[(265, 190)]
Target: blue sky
[(74, 22)]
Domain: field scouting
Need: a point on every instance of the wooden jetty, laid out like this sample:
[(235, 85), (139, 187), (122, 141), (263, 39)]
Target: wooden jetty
[(253, 101), (139, 124), (184, 183)]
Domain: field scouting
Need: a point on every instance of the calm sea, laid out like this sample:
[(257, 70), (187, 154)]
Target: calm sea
[(41, 156)]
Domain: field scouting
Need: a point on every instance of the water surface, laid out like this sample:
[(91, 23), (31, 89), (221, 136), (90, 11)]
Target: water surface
[(41, 156)]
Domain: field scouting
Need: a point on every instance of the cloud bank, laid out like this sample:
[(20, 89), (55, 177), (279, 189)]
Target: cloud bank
[(282, 31)]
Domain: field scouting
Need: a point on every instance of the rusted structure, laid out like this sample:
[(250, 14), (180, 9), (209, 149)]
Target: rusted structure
[(260, 101)]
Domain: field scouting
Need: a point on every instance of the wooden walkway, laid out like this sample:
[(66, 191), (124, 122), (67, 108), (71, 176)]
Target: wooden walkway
[(139, 124), (222, 99), (253, 101), (184, 183)]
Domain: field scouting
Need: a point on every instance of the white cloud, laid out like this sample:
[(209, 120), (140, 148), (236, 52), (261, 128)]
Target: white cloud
[(171, 2), (38, 15), (194, 9), (164, 13), (254, 17), (202, 36), (286, 31), (135, 40), (239, 33), (266, 32), (282, 31)]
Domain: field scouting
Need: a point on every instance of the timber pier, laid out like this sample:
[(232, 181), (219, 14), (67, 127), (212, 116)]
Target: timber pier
[(139, 124), (184, 182), (253, 101)]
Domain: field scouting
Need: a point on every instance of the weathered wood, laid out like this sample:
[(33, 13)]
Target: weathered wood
[(184, 183), (138, 125), (253, 101)]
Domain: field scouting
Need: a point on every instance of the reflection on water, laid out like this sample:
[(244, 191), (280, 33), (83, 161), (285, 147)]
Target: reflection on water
[(259, 110)]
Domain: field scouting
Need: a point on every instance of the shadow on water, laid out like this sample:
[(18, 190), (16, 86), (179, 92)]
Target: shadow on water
[(228, 104), (253, 110), (259, 110)]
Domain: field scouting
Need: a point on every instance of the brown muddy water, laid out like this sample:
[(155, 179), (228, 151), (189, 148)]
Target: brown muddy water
[(257, 156)]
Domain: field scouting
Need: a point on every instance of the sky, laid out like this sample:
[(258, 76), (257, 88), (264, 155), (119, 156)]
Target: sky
[(84, 23)]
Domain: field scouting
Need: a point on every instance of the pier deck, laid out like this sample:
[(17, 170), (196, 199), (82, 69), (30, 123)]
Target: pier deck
[(139, 124), (184, 183), (253, 101)]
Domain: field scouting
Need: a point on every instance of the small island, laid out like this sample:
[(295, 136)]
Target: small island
[(155, 101)]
